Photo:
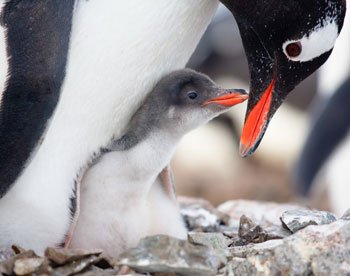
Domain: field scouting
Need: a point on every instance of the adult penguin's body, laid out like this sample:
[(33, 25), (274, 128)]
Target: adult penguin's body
[(116, 51), (113, 60)]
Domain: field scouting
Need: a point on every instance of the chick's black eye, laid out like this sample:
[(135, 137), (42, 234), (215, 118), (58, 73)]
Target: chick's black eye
[(293, 49), (192, 95)]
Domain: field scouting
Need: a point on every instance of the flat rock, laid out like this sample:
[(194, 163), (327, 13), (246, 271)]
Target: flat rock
[(164, 254), (200, 215), (62, 255), (215, 241), (295, 220), (211, 240), (254, 248), (277, 231)]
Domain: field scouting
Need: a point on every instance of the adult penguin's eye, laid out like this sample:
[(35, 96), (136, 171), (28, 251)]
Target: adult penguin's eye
[(192, 95), (312, 44), (293, 49)]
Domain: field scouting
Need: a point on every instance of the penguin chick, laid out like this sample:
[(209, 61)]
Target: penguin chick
[(123, 197)]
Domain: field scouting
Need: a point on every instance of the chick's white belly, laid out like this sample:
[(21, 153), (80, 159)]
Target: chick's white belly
[(115, 215)]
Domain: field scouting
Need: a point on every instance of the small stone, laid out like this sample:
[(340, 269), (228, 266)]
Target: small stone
[(249, 232), (75, 266), (255, 235), (62, 255), (200, 215), (295, 220), (170, 255), (17, 249), (245, 224), (26, 266), (6, 267)]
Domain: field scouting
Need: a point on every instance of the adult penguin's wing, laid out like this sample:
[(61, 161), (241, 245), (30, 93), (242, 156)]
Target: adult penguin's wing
[(34, 41)]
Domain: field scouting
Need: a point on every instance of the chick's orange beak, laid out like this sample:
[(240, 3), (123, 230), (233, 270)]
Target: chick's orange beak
[(230, 97)]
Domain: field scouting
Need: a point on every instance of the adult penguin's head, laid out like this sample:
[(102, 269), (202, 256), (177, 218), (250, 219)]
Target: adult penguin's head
[(284, 41)]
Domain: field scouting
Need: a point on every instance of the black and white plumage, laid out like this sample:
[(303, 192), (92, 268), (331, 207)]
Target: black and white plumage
[(33, 53), (97, 60), (32, 77), (122, 195), (112, 61)]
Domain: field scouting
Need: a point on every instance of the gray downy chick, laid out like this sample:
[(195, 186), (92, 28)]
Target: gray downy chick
[(124, 195)]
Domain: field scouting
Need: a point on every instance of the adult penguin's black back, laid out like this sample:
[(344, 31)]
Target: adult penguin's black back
[(35, 39)]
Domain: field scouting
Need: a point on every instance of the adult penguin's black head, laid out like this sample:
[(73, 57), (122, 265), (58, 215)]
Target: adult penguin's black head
[(285, 41)]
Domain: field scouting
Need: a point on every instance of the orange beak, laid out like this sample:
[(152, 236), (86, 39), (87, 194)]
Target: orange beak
[(256, 122), (230, 97)]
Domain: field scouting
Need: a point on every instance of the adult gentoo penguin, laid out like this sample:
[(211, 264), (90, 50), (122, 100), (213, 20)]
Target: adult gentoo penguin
[(180, 102), (75, 71)]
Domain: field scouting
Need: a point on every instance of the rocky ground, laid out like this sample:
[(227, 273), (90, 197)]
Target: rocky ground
[(238, 238)]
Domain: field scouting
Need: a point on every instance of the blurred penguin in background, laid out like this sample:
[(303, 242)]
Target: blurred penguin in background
[(325, 157)]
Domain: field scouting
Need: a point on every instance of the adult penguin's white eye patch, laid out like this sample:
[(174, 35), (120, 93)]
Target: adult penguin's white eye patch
[(4, 68), (319, 41)]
